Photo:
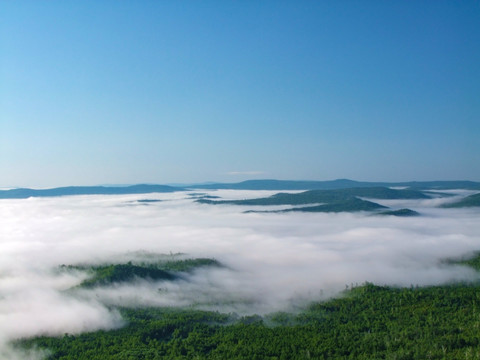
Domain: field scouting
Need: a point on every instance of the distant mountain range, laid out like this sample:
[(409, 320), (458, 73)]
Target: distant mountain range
[(337, 184), (274, 185), (23, 193)]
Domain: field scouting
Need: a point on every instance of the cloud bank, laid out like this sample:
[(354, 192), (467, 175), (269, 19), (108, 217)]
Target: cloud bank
[(272, 261)]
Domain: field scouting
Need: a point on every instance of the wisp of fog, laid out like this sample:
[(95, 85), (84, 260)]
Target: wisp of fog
[(272, 261)]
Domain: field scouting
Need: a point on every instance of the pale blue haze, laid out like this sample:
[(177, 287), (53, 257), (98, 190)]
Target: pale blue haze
[(95, 92)]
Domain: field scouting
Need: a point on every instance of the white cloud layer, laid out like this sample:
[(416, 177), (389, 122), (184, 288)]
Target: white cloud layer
[(273, 260)]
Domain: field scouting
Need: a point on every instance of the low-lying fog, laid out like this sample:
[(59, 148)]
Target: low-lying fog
[(274, 261)]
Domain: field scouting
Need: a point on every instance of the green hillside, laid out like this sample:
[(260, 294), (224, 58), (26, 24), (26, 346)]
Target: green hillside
[(324, 196), (351, 205), (102, 275), (327, 200), (365, 322), (400, 212), (469, 201), (473, 261)]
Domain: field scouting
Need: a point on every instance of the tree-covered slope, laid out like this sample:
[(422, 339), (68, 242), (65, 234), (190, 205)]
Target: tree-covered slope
[(469, 201), (324, 196), (352, 204), (108, 274), (365, 322), (400, 212), (338, 200), (368, 322)]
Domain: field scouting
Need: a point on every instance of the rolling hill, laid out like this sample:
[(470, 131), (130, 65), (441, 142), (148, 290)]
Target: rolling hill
[(23, 193), (324, 196), (469, 201), (271, 184), (337, 200)]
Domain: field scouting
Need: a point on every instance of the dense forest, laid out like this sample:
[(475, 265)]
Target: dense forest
[(364, 322)]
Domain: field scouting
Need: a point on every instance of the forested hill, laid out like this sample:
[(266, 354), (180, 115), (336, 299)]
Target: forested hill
[(338, 200), (469, 201), (24, 193), (337, 184), (108, 274), (324, 196), (366, 322)]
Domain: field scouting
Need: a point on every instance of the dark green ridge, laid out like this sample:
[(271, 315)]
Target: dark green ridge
[(324, 196), (365, 322), (206, 197), (473, 261), (120, 273), (469, 201), (22, 193), (86, 190), (351, 205), (400, 212)]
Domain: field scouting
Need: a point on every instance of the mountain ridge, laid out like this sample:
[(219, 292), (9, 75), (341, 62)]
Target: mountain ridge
[(265, 184), (23, 193), (273, 184)]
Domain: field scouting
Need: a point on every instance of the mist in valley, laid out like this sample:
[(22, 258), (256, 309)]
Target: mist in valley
[(270, 261)]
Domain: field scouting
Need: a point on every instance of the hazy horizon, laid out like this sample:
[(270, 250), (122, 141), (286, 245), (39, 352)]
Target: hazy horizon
[(179, 184)]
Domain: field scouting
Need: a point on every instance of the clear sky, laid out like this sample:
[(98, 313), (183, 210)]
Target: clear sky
[(95, 92)]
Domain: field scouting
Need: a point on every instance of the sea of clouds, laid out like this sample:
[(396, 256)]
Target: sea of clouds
[(273, 261)]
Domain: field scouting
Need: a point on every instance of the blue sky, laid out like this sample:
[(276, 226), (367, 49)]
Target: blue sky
[(95, 92)]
